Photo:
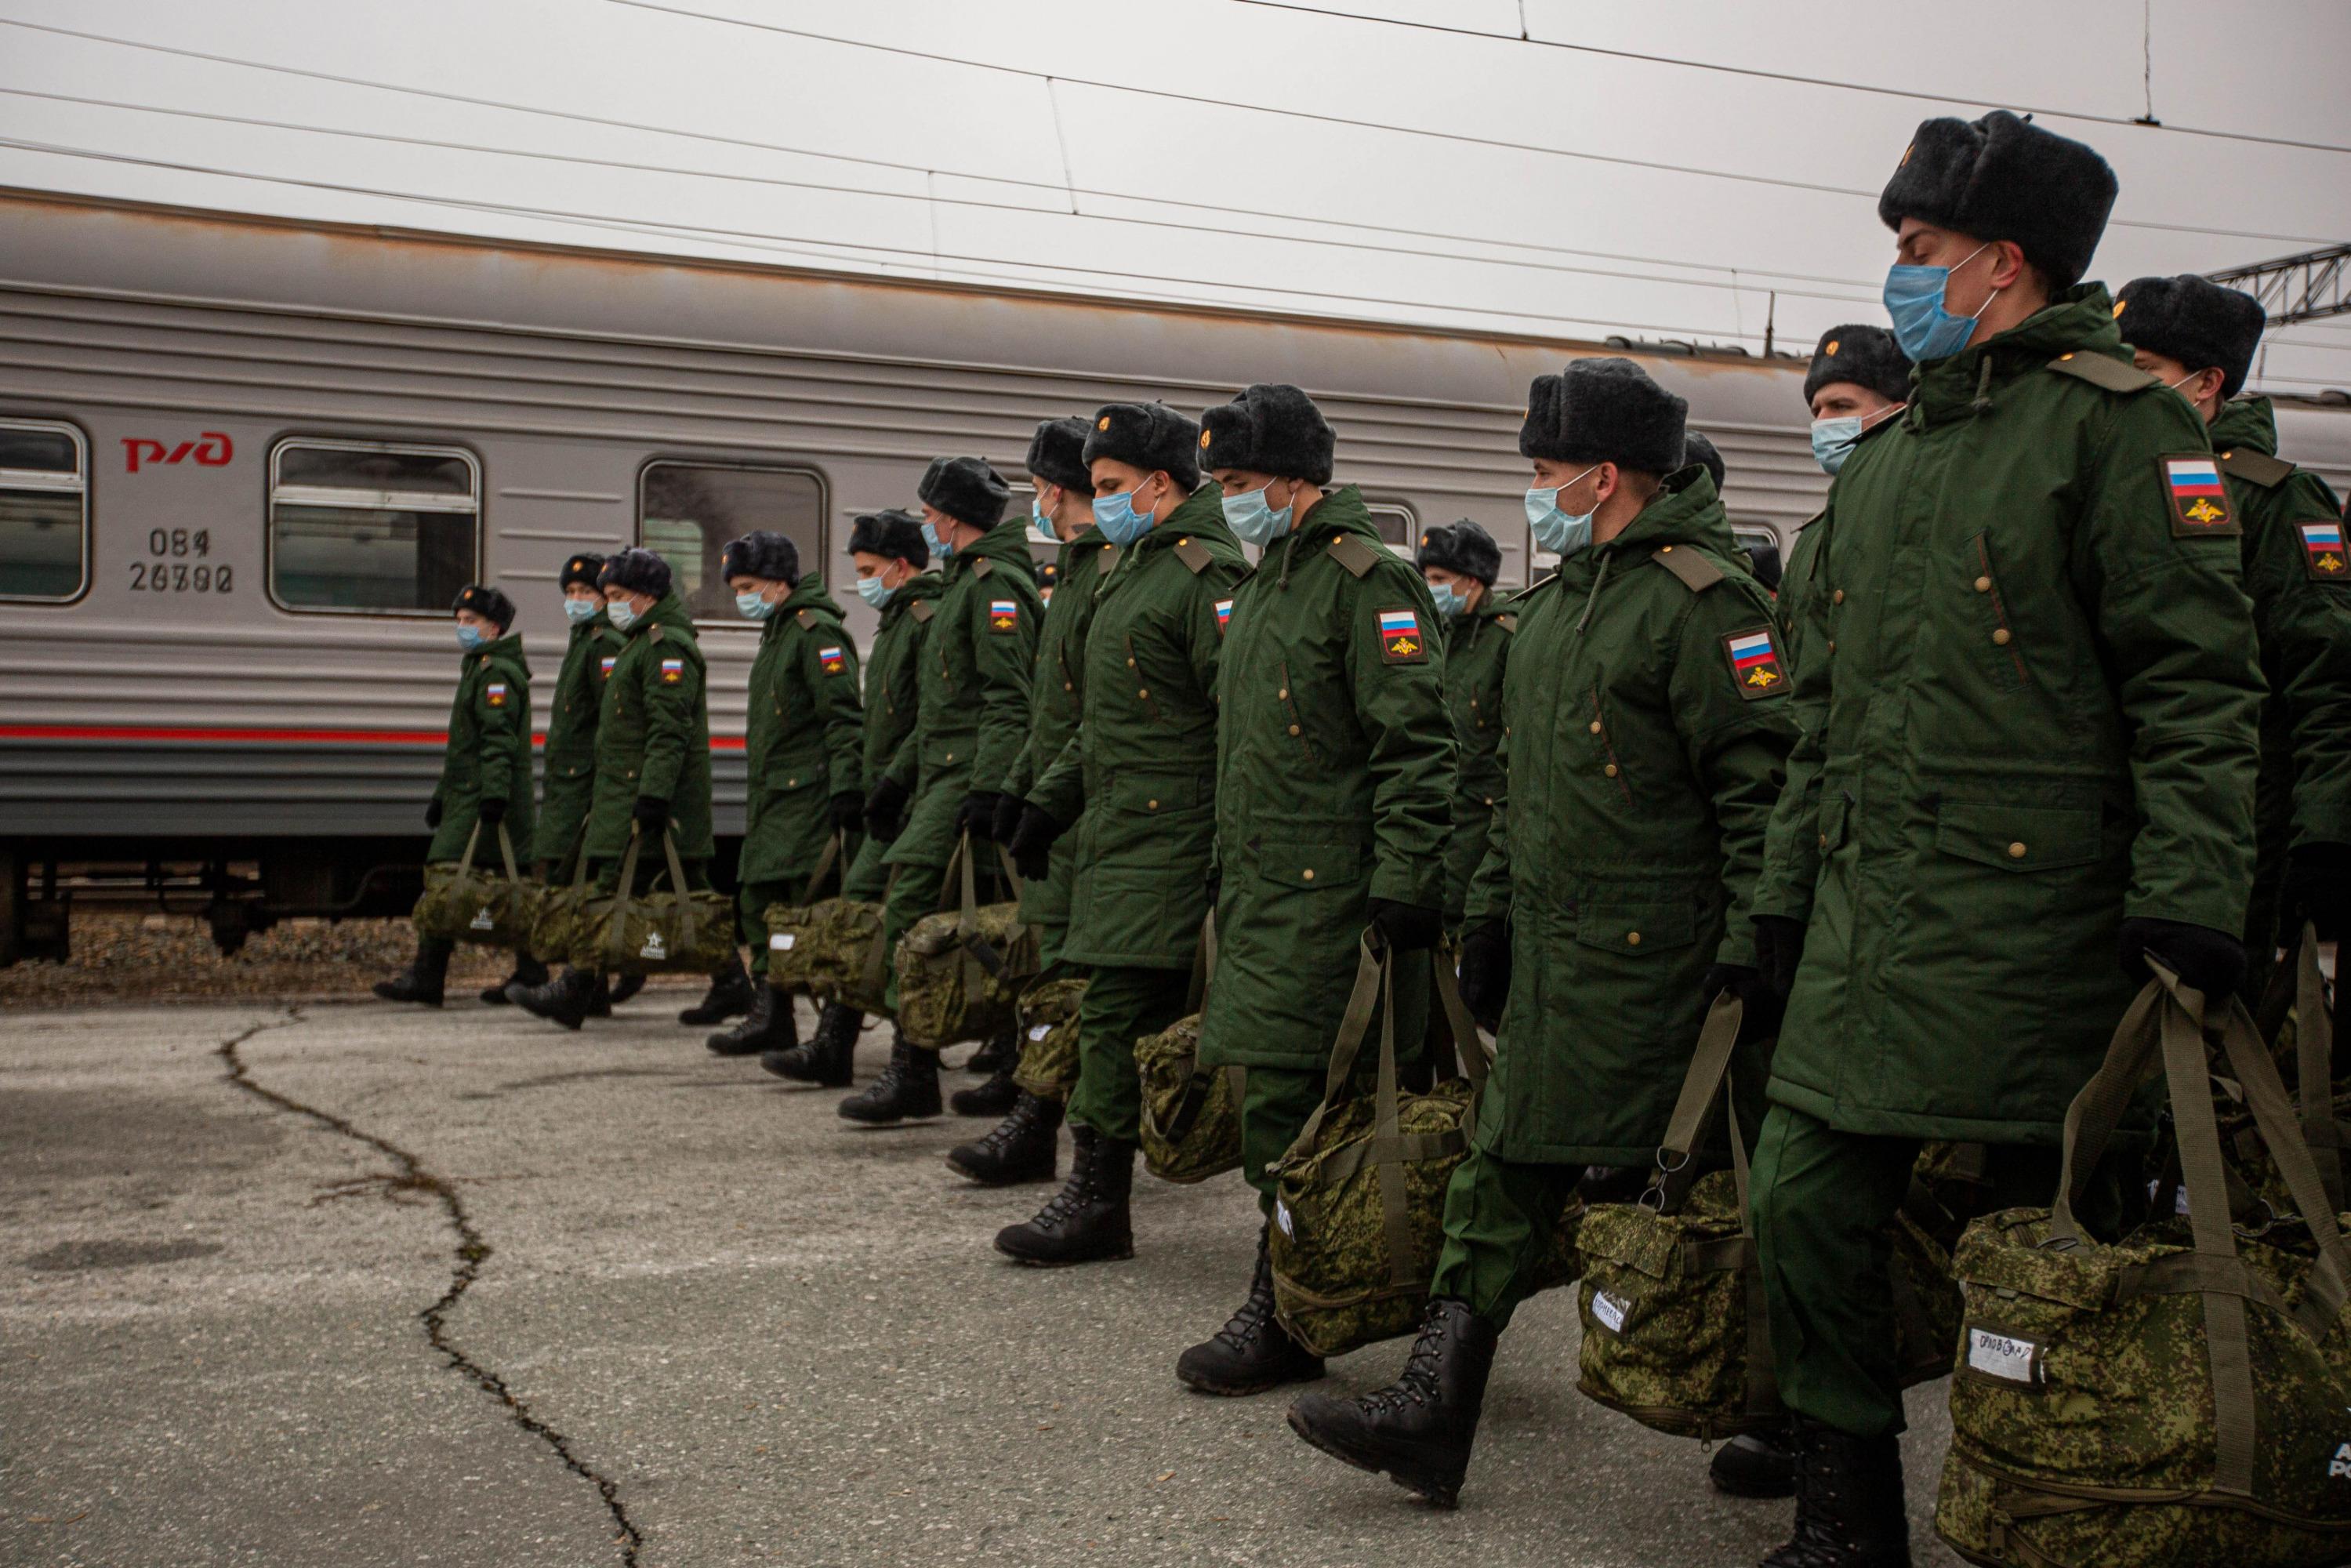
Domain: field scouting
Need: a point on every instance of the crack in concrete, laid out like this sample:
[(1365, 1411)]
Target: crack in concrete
[(472, 1252)]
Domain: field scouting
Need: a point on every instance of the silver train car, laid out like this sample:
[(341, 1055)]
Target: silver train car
[(246, 465)]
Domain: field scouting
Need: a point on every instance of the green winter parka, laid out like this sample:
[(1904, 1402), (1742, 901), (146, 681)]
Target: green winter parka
[(1477, 653), (1057, 687), (972, 718), (1142, 764), (570, 788), (653, 737), (804, 730), (1334, 784), (893, 680), (489, 754), (2299, 579), (1649, 726), (2039, 692)]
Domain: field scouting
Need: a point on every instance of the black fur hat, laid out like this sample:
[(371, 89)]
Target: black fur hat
[(1462, 546), (1057, 455), (638, 570), (487, 601), (582, 570), (1604, 410), (2004, 178), (1269, 428), (1865, 356), (1698, 449), (893, 533), (2196, 321), (765, 554), (966, 489), (1148, 435)]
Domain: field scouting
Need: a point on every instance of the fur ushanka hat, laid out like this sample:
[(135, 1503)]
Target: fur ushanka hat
[(1146, 435), (1057, 455), (966, 489), (2004, 178), (638, 570), (1604, 410), (1269, 428), (764, 554), (2196, 321), (1865, 356), (1462, 546)]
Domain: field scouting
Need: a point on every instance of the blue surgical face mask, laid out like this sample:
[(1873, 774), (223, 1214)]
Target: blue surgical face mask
[(621, 614), (470, 637), (580, 611), (752, 607), (1116, 516), (1256, 522), (1832, 441), (939, 547), (1554, 530), (1450, 602), (1923, 323), (1042, 523), (874, 591)]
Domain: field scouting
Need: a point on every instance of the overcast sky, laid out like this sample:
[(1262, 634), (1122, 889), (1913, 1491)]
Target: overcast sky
[(1565, 190)]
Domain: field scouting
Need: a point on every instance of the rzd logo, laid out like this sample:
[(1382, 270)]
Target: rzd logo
[(212, 449)]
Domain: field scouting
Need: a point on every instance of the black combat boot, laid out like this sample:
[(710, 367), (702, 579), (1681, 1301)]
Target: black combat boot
[(993, 1098), (828, 1058), (908, 1087), (768, 1026), (1000, 1055), (730, 995), (623, 987), (1755, 1464), (424, 977), (563, 1000), (1025, 1147), (600, 999), (1087, 1221), (1418, 1429), (1849, 1504), (1252, 1353), (528, 971)]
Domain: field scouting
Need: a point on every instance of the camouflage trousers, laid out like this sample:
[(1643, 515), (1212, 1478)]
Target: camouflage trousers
[(1122, 1005), (1822, 1201), (1501, 1220), (751, 903)]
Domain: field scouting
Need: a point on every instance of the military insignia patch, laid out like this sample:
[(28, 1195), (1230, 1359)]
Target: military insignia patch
[(495, 694), (1003, 614), (834, 661), (1223, 615), (2322, 551), (1400, 639), (673, 671), (2199, 503), (1755, 663), (608, 661)]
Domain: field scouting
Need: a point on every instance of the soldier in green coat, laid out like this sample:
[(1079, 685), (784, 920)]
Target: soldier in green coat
[(1026, 1145), (2199, 339), (1649, 723), (2038, 693), (1142, 768), (484, 772), (1334, 795), (803, 760), (1460, 562), (970, 721), (653, 770), (887, 550)]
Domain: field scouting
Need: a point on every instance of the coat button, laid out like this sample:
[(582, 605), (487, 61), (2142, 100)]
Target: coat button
[(1983, 585), (1824, 841), (1293, 730), (1832, 644), (950, 757), (2001, 636), (2016, 851), (1632, 940), (1151, 805), (792, 783), (1610, 771), (1308, 873), (1838, 597), (1283, 693), (631, 773), (1068, 687), (1595, 726), (1130, 663)]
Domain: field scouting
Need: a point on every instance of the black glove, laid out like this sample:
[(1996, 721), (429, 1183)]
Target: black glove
[(1763, 1003), (1007, 819), (2318, 889), (492, 811), (1406, 927), (651, 812), (432, 812), (885, 809), (849, 811), (1779, 947), (1485, 971), (977, 815), (1032, 842), (2212, 961)]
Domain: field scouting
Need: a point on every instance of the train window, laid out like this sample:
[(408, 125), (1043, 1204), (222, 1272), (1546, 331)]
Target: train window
[(1398, 525), (44, 511), (371, 526), (689, 512)]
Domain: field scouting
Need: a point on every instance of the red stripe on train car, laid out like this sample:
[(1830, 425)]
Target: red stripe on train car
[(263, 737)]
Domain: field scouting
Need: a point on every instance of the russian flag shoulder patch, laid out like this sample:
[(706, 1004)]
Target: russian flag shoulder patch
[(2200, 501), (2322, 551), (1400, 640), (1223, 615), (833, 660), (495, 694), (1755, 666), (673, 671), (1003, 614)]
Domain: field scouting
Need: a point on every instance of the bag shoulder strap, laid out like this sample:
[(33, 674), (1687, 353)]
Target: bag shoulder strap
[(1709, 1076)]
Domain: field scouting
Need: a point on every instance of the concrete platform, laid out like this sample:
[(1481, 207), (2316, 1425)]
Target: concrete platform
[(772, 1336)]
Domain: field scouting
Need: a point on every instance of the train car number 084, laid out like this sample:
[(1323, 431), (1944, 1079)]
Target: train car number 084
[(179, 565)]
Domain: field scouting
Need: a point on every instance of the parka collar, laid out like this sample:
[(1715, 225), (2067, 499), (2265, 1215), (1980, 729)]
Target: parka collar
[(1008, 541), (1200, 515), (506, 650), (922, 585), (2247, 422), (1685, 511), (2079, 322), (667, 611)]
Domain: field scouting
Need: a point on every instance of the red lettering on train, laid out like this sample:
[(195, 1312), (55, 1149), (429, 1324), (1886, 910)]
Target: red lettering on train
[(212, 449)]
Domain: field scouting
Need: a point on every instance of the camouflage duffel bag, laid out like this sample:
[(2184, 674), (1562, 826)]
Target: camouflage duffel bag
[(961, 971), (1049, 1039), (678, 931), (460, 903), (801, 955), (1191, 1120), (2164, 1399)]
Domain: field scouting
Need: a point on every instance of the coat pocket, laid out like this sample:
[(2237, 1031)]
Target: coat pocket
[(1155, 794), (2018, 839), (1636, 929), (1310, 866)]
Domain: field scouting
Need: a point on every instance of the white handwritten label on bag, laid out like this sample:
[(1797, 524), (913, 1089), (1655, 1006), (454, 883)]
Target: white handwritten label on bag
[(1281, 1217), (1039, 1031), (654, 947), (2002, 1355), (2340, 1465), (781, 942), (1609, 1311)]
